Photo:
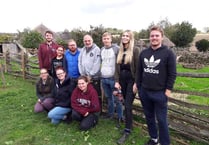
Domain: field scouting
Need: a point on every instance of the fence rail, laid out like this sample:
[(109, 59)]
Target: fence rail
[(187, 119)]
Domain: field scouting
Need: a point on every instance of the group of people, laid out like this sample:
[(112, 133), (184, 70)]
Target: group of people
[(70, 82)]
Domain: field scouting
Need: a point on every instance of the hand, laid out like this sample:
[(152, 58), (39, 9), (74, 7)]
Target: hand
[(39, 100), (168, 93), (86, 114), (135, 88), (117, 86)]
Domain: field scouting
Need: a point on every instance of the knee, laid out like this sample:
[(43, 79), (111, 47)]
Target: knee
[(50, 114), (84, 127)]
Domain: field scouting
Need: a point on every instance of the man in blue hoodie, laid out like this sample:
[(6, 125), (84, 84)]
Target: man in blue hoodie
[(71, 56), (156, 77)]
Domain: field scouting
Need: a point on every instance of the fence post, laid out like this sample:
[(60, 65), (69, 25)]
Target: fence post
[(6, 61), (2, 75), (23, 64)]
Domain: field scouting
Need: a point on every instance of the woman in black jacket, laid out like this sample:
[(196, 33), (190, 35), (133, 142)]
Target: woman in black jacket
[(62, 99)]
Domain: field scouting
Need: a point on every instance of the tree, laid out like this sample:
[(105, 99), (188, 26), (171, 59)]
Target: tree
[(183, 34), (31, 39), (77, 35), (202, 45)]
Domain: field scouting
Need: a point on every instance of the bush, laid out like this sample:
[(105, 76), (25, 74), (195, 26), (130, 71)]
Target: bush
[(202, 45)]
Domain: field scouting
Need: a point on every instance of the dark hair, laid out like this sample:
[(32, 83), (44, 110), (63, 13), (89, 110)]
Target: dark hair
[(48, 31), (83, 78), (59, 68)]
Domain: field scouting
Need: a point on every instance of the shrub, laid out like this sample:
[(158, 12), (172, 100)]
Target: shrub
[(202, 45)]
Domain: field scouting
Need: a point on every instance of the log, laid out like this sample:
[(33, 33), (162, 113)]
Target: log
[(189, 105), (193, 75)]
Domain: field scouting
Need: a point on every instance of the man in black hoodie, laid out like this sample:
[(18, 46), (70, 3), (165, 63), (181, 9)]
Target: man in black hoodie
[(156, 77)]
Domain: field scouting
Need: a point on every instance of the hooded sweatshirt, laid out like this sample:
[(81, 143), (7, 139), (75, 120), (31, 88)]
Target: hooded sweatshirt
[(108, 57), (156, 69), (83, 102), (89, 61)]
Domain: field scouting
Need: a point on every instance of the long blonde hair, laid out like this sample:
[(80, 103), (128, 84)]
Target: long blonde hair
[(129, 51)]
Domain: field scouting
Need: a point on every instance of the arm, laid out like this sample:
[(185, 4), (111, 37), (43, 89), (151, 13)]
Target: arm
[(51, 94), (38, 93), (95, 106), (75, 104), (40, 57), (171, 70), (80, 62), (97, 62)]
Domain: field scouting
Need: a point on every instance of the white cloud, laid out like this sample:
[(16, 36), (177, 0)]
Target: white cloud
[(122, 14)]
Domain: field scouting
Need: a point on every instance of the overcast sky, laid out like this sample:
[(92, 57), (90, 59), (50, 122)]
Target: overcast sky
[(59, 15)]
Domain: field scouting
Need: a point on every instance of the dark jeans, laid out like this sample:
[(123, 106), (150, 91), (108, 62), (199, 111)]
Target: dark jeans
[(97, 85), (126, 81), (85, 122), (73, 83), (155, 107)]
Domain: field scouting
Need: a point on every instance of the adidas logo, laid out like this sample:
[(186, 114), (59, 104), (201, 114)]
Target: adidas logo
[(151, 63)]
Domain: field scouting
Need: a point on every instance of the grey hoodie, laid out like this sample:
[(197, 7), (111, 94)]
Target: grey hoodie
[(108, 57), (89, 61)]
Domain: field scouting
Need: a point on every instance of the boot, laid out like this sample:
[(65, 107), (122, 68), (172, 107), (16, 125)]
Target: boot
[(118, 124), (123, 138)]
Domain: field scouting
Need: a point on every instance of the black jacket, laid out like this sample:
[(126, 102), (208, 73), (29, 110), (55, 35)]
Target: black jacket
[(63, 93), (156, 69)]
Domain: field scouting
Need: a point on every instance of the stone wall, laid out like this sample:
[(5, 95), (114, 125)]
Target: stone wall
[(198, 59)]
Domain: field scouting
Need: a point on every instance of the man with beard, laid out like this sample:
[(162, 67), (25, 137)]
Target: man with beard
[(47, 51), (71, 56)]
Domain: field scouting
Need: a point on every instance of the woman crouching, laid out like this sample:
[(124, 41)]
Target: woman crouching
[(85, 104)]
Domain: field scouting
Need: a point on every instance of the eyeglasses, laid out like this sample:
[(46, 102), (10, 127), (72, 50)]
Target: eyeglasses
[(43, 73), (60, 74)]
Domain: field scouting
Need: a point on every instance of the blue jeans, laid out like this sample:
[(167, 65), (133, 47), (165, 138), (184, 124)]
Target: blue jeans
[(57, 114), (108, 87), (155, 107)]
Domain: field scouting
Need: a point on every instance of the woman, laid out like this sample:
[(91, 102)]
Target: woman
[(44, 92), (58, 61), (125, 77), (62, 98), (85, 104)]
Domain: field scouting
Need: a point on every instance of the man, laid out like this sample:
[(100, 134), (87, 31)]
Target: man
[(108, 57), (89, 63), (71, 56), (47, 51), (156, 77)]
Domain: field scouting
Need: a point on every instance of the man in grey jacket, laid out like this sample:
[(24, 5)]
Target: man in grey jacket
[(89, 62)]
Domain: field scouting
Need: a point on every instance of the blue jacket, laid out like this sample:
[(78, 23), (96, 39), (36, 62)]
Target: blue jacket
[(72, 64)]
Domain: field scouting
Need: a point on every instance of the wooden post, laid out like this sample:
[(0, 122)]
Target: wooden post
[(23, 64), (2, 75), (6, 57)]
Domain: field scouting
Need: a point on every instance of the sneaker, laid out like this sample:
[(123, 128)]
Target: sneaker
[(68, 119), (123, 138), (118, 123), (151, 142)]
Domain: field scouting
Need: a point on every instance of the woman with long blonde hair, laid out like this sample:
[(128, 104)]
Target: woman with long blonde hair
[(125, 80)]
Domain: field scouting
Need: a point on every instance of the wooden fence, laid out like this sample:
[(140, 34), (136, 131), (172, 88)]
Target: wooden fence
[(187, 119)]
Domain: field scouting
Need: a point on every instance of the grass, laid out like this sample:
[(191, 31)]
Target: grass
[(203, 70), (19, 125)]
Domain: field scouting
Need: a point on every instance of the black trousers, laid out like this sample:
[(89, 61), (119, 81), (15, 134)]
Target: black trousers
[(126, 81), (85, 122)]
